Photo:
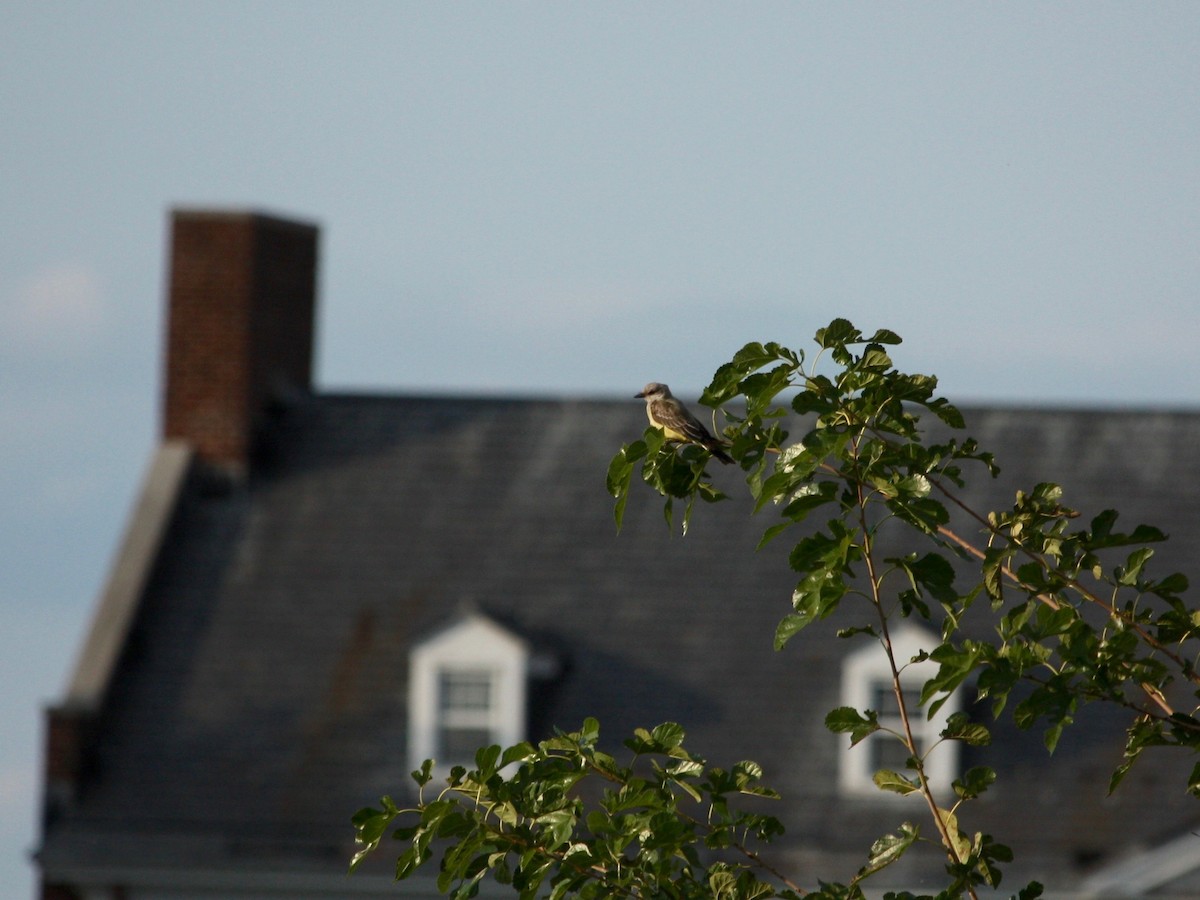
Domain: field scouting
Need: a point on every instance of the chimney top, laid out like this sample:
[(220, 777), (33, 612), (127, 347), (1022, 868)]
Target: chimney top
[(241, 308)]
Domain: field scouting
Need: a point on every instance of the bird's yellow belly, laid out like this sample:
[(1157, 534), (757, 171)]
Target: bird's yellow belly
[(670, 433)]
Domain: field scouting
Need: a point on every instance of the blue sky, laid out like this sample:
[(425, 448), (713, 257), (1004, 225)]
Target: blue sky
[(571, 199)]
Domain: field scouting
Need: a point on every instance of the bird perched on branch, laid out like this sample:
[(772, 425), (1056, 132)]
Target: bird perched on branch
[(673, 419)]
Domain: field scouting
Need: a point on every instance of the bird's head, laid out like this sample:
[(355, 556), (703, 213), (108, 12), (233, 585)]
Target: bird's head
[(654, 391)]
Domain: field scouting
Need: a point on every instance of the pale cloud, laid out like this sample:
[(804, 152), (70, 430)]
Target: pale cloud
[(56, 310), (66, 490), (18, 815), (18, 788)]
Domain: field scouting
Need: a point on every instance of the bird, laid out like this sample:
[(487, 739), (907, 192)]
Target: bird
[(673, 419)]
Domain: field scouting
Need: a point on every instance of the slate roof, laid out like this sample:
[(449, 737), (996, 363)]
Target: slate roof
[(260, 699)]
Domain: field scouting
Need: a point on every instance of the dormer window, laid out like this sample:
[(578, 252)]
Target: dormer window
[(467, 717), (867, 684), (467, 689)]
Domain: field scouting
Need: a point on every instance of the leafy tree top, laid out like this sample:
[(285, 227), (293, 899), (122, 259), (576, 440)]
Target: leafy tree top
[(1074, 617)]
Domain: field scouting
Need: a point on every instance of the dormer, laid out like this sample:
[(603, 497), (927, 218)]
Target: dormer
[(867, 684), (467, 688)]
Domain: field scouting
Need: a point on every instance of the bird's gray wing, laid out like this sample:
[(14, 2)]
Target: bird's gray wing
[(676, 416)]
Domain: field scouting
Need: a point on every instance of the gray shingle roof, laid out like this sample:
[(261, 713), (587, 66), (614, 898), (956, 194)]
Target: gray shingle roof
[(261, 699)]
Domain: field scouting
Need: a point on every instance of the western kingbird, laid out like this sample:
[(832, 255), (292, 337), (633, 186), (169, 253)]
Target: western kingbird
[(673, 419)]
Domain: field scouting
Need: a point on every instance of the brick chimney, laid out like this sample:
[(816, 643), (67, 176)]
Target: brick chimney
[(241, 298)]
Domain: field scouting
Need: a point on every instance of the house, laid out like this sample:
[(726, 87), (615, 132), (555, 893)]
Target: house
[(317, 590)]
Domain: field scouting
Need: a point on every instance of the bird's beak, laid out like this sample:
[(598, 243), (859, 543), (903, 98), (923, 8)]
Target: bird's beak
[(640, 396)]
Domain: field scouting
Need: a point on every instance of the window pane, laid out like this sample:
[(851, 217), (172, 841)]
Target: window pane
[(883, 700), (462, 690), (888, 753), (458, 745)]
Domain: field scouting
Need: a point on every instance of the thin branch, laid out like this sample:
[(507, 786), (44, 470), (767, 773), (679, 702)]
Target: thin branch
[(1152, 692), (886, 640)]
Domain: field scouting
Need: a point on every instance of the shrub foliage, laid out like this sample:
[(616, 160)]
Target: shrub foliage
[(1076, 617)]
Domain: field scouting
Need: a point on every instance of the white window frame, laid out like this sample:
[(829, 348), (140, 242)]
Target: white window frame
[(473, 645), (470, 717), (863, 672)]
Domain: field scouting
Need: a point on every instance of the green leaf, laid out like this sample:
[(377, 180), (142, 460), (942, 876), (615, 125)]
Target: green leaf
[(819, 396), (423, 775), (887, 849), (516, 753), (1102, 525), (962, 846), (1171, 586), (950, 414), (793, 473), (590, 732), (1053, 701), (885, 336), (837, 333), (825, 554), (1142, 733), (932, 574), (887, 780), (925, 513), (1134, 563), (771, 533), (875, 357), (787, 628), (620, 474), (1102, 534), (486, 759), (955, 665), (370, 825), (847, 720), (816, 597), (559, 825), (808, 497), (667, 736), (722, 883), (959, 727), (974, 782), (992, 569), (730, 379)]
